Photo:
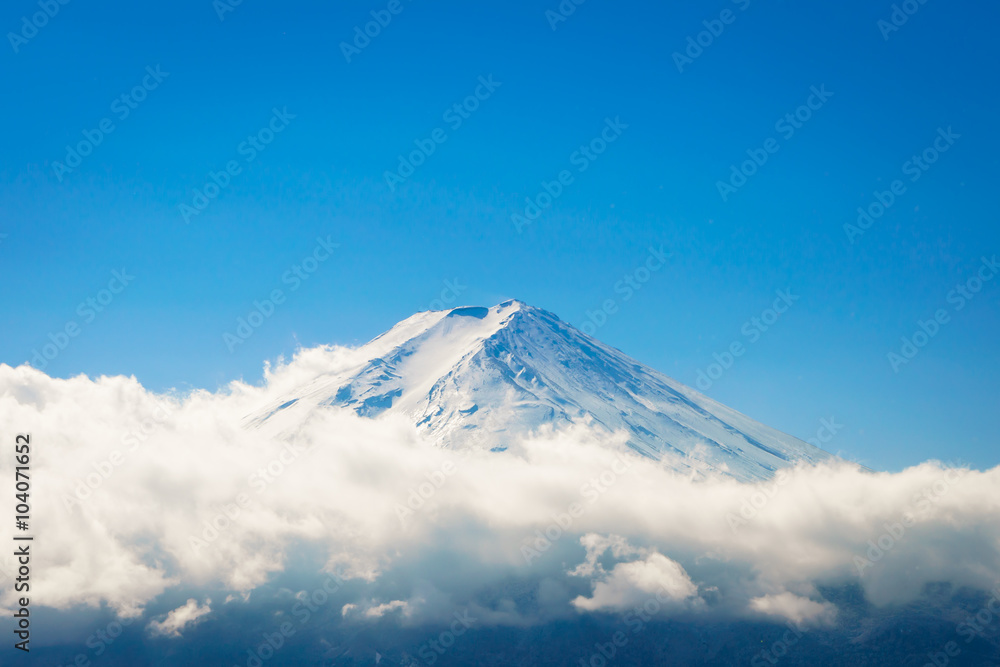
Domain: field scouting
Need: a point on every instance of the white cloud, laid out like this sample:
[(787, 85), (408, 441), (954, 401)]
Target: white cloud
[(374, 610), (596, 545), (799, 610), (147, 493), (632, 583), (382, 609), (180, 618)]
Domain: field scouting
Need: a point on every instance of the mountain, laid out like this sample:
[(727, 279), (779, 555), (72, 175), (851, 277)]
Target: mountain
[(481, 377)]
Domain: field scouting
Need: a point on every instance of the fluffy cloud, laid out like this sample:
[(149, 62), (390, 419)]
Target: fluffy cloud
[(799, 610), (630, 584), (139, 494), (179, 618)]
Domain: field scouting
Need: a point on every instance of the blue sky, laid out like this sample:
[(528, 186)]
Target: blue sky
[(340, 126)]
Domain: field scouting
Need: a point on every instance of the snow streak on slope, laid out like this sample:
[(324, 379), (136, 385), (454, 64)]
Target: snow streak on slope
[(482, 377)]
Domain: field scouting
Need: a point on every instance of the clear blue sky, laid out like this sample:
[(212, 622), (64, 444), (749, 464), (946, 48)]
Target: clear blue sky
[(656, 183)]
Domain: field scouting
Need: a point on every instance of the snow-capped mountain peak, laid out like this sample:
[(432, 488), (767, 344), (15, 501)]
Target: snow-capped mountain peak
[(481, 377)]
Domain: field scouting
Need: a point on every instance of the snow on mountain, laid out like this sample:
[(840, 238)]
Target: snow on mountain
[(481, 377)]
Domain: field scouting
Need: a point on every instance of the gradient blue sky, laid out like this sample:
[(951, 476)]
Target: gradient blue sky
[(323, 175)]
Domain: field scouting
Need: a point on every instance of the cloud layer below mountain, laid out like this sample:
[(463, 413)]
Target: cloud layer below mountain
[(138, 494)]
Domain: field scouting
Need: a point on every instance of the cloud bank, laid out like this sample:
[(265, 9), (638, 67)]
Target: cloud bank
[(140, 495)]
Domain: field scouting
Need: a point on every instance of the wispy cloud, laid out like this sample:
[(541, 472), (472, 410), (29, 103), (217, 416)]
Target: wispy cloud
[(180, 618)]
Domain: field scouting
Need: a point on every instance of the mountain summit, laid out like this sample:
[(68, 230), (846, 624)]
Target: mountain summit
[(481, 377)]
